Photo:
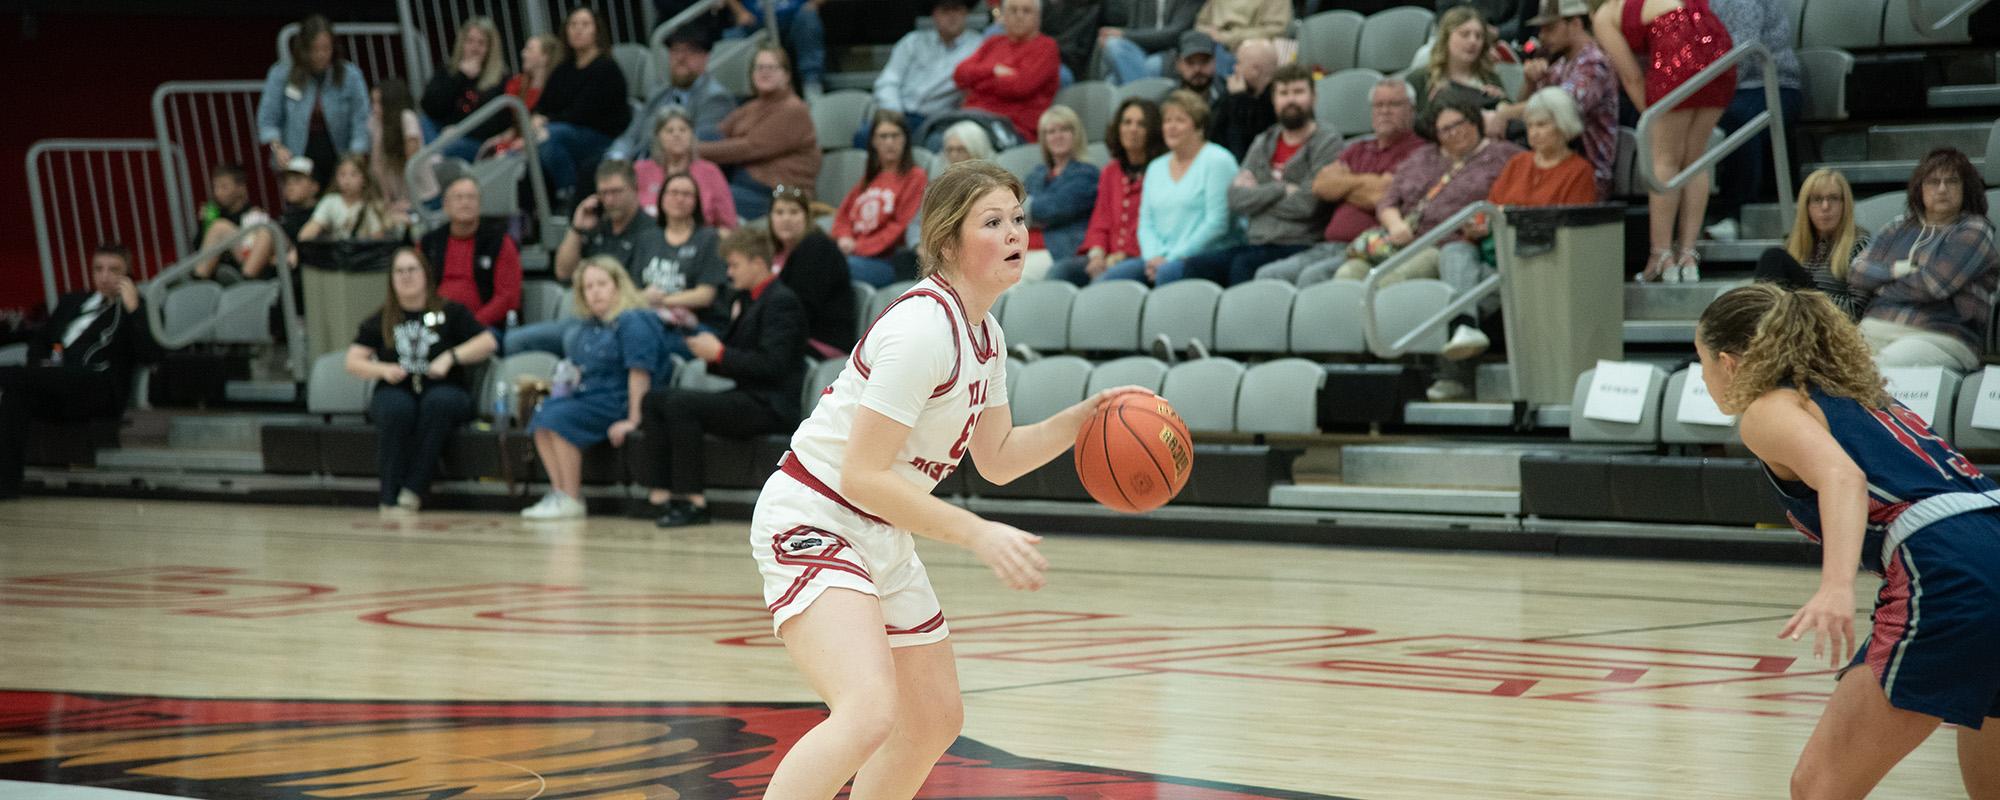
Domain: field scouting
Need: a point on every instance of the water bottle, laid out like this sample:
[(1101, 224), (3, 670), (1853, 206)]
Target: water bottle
[(503, 403), (566, 378), (513, 320)]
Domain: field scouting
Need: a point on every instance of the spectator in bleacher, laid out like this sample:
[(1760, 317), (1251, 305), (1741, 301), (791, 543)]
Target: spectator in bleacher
[(538, 57), (1929, 274), (1461, 65), (1112, 236), (1232, 22), (1246, 110), (1014, 74), (966, 141), (607, 224), (478, 265), (686, 282), (1581, 69), (1653, 58), (673, 152), (1355, 182), (874, 216), (1742, 174), (800, 29), (301, 195), (615, 356), (1823, 244), (392, 145), (1140, 35), (1195, 63), (1074, 24), (79, 363), (1062, 187), (761, 350), (476, 76), (696, 94), (1184, 207), (1273, 189), (227, 212), (354, 209), (767, 142), (415, 349), (582, 107), (1428, 187), (812, 265), (314, 104), (917, 82)]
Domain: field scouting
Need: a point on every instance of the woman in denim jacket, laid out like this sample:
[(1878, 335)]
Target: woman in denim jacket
[(314, 104)]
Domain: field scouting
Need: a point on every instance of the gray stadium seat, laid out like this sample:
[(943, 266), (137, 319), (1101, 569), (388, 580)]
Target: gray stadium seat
[(243, 315), (1154, 89), (636, 61), (1991, 168), (1874, 212), (1898, 30), (1511, 77), (14, 355), (1328, 40), (837, 115), (1824, 72), (1401, 307), (1390, 38), (1846, 24), (1796, 10), (1047, 387), (864, 296), (1105, 316), (1093, 102), (883, 297), (543, 300), (1326, 319), (1673, 431), (1255, 317), (1280, 396), (839, 171), (730, 63), (1014, 368), (330, 390), (1645, 431), (1940, 384), (999, 306), (1019, 159), (1341, 100), (693, 376), (924, 158), (1203, 392), (190, 306), (1183, 310), (1967, 437), (1038, 316), (1625, 164), (818, 378), (1097, 154), (1144, 371)]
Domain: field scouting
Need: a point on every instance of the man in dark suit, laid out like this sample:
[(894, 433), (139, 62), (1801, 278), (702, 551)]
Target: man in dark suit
[(763, 351), (79, 364)]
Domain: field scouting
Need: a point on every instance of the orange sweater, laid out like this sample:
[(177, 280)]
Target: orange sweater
[(1570, 182)]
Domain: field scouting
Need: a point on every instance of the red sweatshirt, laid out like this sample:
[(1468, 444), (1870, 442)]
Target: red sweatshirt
[(877, 213), (458, 286), (1114, 222), (1021, 97)]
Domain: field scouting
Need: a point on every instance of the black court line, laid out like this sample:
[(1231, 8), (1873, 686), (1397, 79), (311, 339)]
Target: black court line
[(1056, 683), (1651, 628)]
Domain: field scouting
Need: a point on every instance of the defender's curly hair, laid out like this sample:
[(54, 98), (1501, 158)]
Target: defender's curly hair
[(1787, 337)]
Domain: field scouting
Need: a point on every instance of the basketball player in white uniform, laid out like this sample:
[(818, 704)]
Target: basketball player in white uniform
[(833, 528)]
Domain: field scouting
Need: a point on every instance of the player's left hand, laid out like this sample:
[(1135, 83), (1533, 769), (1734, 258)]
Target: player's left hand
[(1829, 617), (1097, 402)]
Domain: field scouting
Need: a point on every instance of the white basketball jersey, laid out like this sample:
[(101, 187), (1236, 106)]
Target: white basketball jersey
[(923, 365)]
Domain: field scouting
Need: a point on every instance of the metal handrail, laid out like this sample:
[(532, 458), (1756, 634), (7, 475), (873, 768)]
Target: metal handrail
[(171, 160), (155, 292), (1769, 118), (1927, 27), (291, 31), (657, 40), (462, 129), (1371, 331), (180, 184)]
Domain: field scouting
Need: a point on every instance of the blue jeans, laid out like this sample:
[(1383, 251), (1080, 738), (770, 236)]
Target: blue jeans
[(466, 149), (1228, 266), (1131, 269), (876, 272), (1129, 62), (570, 155), (1743, 177), (753, 199), (803, 34), (411, 431), (542, 337)]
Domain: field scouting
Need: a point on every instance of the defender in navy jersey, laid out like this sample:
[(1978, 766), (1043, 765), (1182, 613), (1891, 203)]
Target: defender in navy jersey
[(1870, 481)]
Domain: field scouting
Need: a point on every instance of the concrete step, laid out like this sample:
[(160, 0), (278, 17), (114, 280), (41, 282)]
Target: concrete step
[(224, 431), (1885, 172), (261, 392), (1479, 415), (1681, 302), (1740, 251), (1898, 142), (1761, 221), (1398, 499), (176, 459), (1449, 465), (1967, 96), (1659, 331)]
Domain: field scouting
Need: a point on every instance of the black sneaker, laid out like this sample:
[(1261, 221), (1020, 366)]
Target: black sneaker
[(681, 514)]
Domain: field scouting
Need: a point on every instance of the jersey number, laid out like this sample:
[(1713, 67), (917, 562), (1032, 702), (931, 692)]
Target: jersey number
[(958, 447)]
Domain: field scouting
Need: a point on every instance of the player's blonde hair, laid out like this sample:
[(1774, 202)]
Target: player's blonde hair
[(948, 201), (628, 294), (1790, 338)]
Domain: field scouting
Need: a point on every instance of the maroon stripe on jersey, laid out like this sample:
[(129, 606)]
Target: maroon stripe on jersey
[(828, 558), (943, 388), (936, 621), (790, 466), (1892, 614), (982, 350)]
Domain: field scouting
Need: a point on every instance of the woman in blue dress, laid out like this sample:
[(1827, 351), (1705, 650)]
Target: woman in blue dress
[(614, 358)]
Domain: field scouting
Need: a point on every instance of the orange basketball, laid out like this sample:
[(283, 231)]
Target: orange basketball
[(1135, 454)]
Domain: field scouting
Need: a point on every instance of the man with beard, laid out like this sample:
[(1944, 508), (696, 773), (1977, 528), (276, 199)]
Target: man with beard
[(690, 87), (1273, 189), (1197, 66), (1354, 182)]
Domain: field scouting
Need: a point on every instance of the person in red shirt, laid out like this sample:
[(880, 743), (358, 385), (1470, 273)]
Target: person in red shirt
[(1135, 139), (1014, 74), (876, 214), (478, 264)]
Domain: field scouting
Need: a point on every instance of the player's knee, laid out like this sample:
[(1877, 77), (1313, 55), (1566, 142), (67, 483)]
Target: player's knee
[(869, 719), (941, 723)]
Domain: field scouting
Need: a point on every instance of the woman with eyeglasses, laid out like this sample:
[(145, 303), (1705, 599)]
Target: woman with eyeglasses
[(767, 141), (872, 220), (1823, 244), (811, 264), (1929, 274), (416, 349), (582, 108), (673, 152)]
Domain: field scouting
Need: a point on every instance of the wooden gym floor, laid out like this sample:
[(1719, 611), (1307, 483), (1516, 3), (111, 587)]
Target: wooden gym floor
[(261, 651)]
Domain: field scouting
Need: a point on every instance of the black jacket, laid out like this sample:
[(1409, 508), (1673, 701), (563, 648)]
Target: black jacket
[(1236, 121), (817, 273), (764, 349), (115, 343), (450, 97), (1147, 28), (487, 242), (1073, 24)]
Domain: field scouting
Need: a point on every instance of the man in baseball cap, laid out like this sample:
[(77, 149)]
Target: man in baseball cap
[(301, 193), (1570, 58), (1196, 64)]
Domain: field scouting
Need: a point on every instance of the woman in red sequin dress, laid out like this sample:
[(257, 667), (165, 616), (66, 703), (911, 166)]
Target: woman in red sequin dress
[(1655, 46)]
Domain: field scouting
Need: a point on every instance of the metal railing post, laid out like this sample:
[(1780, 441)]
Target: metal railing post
[(658, 40), (1770, 119), (1926, 27), (463, 129), (1371, 332), (157, 289), (76, 205)]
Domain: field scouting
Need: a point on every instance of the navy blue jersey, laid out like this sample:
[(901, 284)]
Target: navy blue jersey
[(1904, 461)]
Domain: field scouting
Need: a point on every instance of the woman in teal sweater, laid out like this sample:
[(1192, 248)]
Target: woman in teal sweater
[(1184, 208)]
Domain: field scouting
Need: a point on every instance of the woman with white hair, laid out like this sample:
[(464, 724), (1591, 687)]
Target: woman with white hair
[(1550, 173), (966, 141)]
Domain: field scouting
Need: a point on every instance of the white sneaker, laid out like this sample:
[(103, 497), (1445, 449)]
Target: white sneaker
[(558, 506), (541, 505), (409, 501), (1466, 342), (1446, 390), (1724, 231)]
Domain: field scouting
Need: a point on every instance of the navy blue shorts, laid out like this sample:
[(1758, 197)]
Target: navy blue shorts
[(1935, 648)]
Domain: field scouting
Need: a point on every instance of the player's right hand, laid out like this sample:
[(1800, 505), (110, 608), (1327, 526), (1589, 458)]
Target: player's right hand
[(1829, 617), (1011, 553)]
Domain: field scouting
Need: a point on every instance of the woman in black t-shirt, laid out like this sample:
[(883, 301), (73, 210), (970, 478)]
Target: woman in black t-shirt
[(416, 350), (583, 106)]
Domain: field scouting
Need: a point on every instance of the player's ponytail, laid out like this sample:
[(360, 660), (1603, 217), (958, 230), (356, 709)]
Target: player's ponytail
[(1790, 338)]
